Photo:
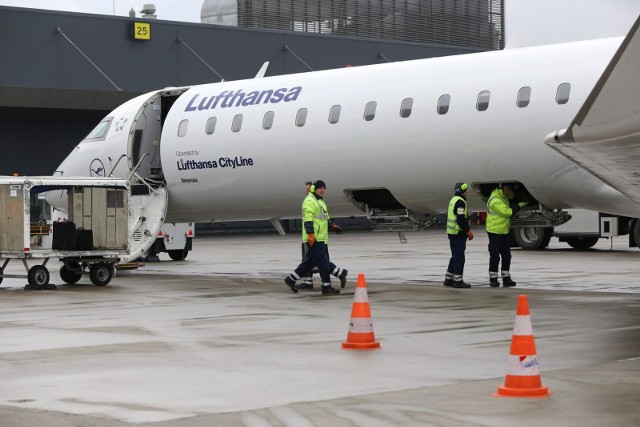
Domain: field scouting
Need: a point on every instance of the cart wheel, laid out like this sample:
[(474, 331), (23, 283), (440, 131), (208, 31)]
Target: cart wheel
[(70, 275), (38, 275), (101, 273)]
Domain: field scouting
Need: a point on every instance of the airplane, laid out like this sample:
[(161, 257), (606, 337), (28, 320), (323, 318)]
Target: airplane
[(390, 140)]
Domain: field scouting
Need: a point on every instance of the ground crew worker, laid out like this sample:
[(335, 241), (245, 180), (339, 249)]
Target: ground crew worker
[(317, 223), (307, 281), (500, 209), (459, 231)]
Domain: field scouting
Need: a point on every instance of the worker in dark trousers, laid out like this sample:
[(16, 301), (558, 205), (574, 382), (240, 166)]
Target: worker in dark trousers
[(307, 281), (500, 209), (317, 223), (459, 231)]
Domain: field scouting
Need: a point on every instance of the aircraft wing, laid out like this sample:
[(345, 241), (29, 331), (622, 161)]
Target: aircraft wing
[(604, 137)]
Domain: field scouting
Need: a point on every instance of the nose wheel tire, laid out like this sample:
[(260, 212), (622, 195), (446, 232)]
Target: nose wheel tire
[(101, 274)]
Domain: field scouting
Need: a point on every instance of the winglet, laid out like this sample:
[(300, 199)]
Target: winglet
[(604, 137)]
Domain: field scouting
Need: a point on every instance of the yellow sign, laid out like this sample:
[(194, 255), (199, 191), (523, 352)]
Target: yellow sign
[(141, 31)]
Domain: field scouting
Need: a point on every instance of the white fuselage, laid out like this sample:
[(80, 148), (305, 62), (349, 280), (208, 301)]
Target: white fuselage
[(418, 158)]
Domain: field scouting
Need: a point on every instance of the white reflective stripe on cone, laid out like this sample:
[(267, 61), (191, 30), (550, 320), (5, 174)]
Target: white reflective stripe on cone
[(360, 295), (522, 326), (360, 325)]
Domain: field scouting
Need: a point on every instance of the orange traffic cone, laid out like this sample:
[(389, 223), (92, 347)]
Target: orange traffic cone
[(523, 378), (360, 336)]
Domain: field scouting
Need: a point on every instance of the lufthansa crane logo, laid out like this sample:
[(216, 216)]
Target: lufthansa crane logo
[(96, 168)]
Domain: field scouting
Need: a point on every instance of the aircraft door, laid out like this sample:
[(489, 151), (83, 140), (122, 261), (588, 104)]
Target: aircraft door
[(145, 146)]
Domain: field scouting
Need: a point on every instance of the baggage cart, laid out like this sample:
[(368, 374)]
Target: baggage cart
[(91, 240)]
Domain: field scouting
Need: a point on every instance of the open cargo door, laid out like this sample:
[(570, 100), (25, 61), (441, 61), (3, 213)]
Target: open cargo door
[(147, 210)]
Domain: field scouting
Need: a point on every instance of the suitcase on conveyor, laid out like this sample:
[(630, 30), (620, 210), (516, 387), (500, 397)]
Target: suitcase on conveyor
[(64, 236)]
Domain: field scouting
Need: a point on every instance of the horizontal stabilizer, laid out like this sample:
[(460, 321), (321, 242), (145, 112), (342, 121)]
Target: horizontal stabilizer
[(604, 137)]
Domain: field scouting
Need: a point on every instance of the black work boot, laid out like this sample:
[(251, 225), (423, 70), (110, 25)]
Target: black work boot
[(329, 290), (305, 286), (343, 278), (291, 284), (494, 283), (447, 282), (459, 284), (507, 282)]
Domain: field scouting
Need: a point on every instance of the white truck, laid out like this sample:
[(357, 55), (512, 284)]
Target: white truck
[(581, 232), (173, 238)]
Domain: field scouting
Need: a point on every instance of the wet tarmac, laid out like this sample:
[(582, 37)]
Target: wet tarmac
[(219, 340)]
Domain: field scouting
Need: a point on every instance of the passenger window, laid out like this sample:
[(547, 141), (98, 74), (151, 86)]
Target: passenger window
[(370, 110), (405, 107), (443, 104), (301, 117), (334, 114), (483, 100), (236, 125), (524, 95), (182, 128), (267, 121), (211, 125), (562, 96)]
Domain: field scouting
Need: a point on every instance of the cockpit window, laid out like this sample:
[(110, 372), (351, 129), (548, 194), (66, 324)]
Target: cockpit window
[(99, 132)]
